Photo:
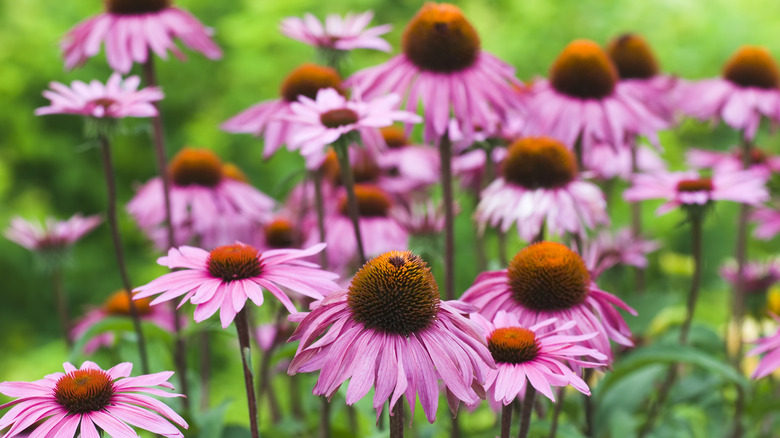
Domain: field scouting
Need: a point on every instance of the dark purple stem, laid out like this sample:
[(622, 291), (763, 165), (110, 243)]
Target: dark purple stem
[(445, 155), (242, 328), (58, 287), (342, 152), (525, 413), (506, 420), (397, 419)]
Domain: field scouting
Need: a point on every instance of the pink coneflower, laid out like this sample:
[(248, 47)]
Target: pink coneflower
[(392, 332), (583, 101), (690, 189), (537, 355), (281, 233), (606, 162), (415, 166), (548, 280), (771, 346), (747, 92), (443, 67), (758, 277), (224, 278), (470, 166), (384, 231), (732, 160), (132, 29), (326, 119), (118, 98), (342, 34), (621, 247), (639, 73), (52, 235), (207, 204), (118, 305), (420, 218), (539, 186), (768, 219), (266, 118), (83, 400)]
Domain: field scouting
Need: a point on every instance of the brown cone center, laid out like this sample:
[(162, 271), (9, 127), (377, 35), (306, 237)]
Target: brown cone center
[(583, 70), (633, 57), (280, 233), (752, 66), (83, 391), (196, 167), (307, 80), (695, 185), (338, 117), (234, 262), (371, 200), (513, 345), (134, 7), (539, 162), (119, 304), (440, 39)]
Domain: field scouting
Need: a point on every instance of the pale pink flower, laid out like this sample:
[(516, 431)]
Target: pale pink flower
[(771, 346), (116, 99), (224, 278), (768, 219), (608, 249), (83, 400), (443, 67), (132, 30), (606, 162), (268, 119), (538, 355), (758, 276), (548, 280), (747, 92), (344, 34), (539, 186), (392, 332), (415, 166), (421, 218), (471, 165), (583, 101), (207, 204), (732, 160), (324, 120), (690, 189), (52, 234)]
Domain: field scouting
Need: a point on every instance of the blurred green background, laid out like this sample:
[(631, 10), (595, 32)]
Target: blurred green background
[(47, 168)]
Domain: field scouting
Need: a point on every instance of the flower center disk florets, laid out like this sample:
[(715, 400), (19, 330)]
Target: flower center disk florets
[(119, 304), (199, 167), (84, 391), (280, 233), (372, 202), (548, 276), (633, 57), (695, 185), (394, 137), (752, 66), (513, 345), (234, 262), (539, 162), (394, 293), (307, 80), (134, 7), (364, 169), (440, 39), (583, 70), (338, 117)]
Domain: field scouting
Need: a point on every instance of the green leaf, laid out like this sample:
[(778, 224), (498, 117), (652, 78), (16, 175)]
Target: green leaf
[(212, 422)]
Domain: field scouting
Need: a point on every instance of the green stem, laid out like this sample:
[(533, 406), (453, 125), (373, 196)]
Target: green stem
[(342, 152), (58, 287), (636, 222)]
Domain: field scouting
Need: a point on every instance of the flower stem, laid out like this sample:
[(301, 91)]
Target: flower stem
[(179, 355), (590, 427), (316, 176), (205, 370), (113, 222), (242, 328), (559, 396), (671, 374), (445, 156), (342, 152), (397, 419), (636, 222), (58, 287), (506, 420), (325, 418), (528, 408), (264, 371)]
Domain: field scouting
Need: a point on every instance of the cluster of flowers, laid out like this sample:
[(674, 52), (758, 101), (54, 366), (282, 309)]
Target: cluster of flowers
[(527, 151)]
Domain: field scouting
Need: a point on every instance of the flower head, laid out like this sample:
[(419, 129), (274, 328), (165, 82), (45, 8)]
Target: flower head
[(117, 99), (747, 92), (732, 160), (330, 116), (758, 277), (689, 189), (539, 185), (621, 247), (82, 400), (584, 101), (548, 280), (391, 331), (52, 235), (532, 355), (225, 277), (133, 29), (771, 361), (768, 219), (344, 34), (443, 66), (206, 203)]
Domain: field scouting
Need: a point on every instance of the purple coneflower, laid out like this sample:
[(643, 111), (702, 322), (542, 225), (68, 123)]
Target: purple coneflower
[(116, 99), (83, 400), (768, 219), (208, 203), (52, 235), (224, 278), (548, 280), (341, 34), (584, 102), (621, 247), (690, 189), (538, 355), (747, 92), (392, 332), (758, 277), (732, 160), (443, 66), (132, 29), (539, 186), (771, 361), (606, 162)]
